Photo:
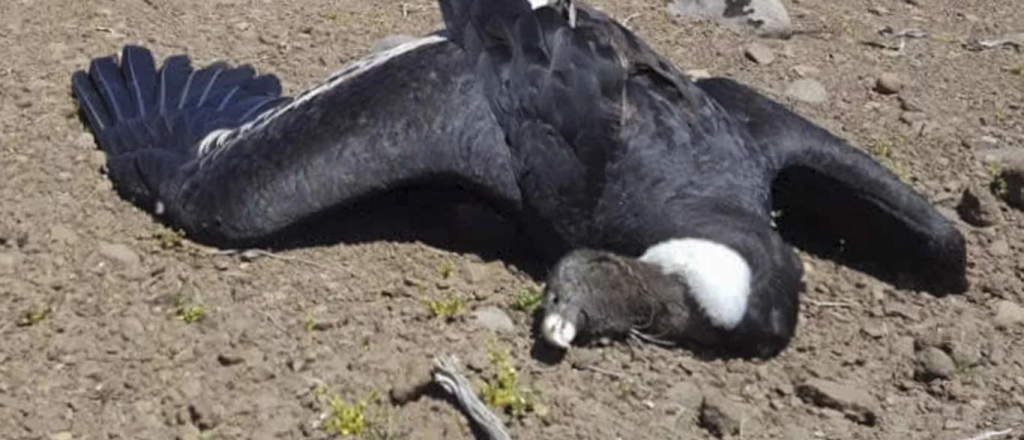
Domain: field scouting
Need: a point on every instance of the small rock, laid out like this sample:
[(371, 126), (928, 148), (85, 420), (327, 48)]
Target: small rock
[(933, 363), (807, 90), (120, 253), (493, 318), (855, 403), (1000, 248), (62, 436), (760, 54), (131, 329), (909, 104), (805, 71), (61, 234), (978, 207), (229, 359), (1007, 314), (723, 417), (687, 395), (889, 84)]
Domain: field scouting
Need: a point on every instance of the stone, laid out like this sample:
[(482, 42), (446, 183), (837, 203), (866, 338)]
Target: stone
[(120, 253), (805, 71), (855, 403), (1007, 314), (933, 363), (62, 234), (760, 54), (1000, 248), (889, 84), (493, 318), (807, 90), (979, 207)]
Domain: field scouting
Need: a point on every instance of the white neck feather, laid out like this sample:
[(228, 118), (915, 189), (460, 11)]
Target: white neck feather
[(718, 277)]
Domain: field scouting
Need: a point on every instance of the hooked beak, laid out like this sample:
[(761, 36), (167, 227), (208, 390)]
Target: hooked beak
[(558, 330)]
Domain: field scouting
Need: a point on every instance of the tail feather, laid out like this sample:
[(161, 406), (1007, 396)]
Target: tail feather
[(150, 121), (174, 75), (112, 87), (140, 74)]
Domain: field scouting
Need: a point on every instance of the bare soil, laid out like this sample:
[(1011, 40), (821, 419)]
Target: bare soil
[(112, 360)]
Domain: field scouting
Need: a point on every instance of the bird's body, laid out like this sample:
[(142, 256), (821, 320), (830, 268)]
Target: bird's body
[(595, 144)]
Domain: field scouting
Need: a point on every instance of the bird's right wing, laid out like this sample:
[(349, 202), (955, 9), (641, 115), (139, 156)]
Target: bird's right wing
[(220, 154)]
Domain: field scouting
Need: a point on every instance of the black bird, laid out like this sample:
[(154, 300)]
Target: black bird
[(655, 192)]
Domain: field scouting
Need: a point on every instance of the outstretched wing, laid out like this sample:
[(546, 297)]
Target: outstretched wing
[(219, 153), (837, 201)]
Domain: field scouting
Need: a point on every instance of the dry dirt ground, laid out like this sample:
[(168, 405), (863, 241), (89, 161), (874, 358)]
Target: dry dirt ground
[(111, 358)]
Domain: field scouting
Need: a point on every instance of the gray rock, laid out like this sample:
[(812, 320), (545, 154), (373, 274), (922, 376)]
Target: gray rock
[(855, 403), (933, 363), (765, 18), (493, 318), (805, 71), (760, 54), (723, 417), (979, 207), (1007, 314), (1000, 248), (807, 90), (120, 253), (889, 84)]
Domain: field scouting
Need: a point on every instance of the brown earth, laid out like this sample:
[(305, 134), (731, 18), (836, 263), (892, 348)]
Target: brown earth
[(111, 360)]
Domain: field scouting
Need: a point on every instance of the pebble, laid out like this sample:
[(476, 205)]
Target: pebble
[(131, 328), (878, 10), (723, 417), (62, 436), (1007, 314), (1000, 248), (933, 363), (855, 403), (120, 253), (807, 90), (760, 54), (229, 359), (493, 318), (979, 207), (889, 84)]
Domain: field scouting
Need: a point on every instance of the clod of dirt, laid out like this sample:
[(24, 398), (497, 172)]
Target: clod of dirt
[(1007, 314), (723, 417), (889, 84), (493, 318), (760, 54), (807, 90), (120, 253), (932, 364), (855, 403), (979, 207)]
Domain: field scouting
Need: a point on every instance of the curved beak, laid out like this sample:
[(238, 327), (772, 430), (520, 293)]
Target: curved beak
[(559, 330)]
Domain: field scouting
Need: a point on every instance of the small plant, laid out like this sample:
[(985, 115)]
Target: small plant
[(502, 391), (451, 306), (995, 171), (34, 315), (189, 313), (446, 269), (344, 418), (527, 300), (169, 238)]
